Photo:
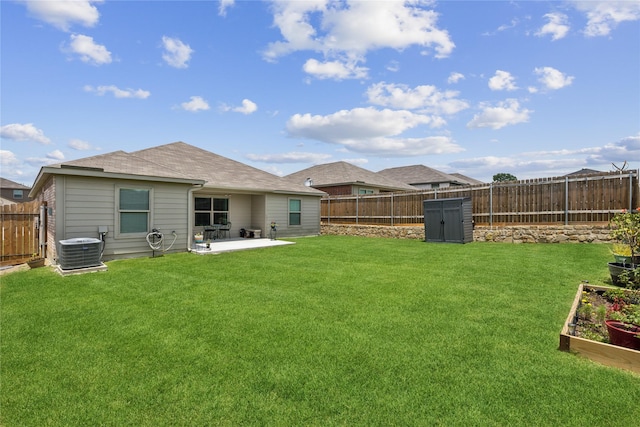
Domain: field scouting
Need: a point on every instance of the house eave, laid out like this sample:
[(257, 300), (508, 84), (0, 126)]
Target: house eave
[(46, 171)]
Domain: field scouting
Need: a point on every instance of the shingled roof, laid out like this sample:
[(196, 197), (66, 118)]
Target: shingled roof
[(344, 173), (419, 174), (178, 162)]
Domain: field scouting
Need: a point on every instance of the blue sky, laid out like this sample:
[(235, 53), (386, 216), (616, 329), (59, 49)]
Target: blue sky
[(531, 88)]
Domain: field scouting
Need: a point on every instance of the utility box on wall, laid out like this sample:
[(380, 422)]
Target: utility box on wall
[(448, 220)]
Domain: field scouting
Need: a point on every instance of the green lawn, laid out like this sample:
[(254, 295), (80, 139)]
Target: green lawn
[(329, 331)]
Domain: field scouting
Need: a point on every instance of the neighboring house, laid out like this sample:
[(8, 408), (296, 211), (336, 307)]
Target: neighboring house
[(342, 178), (423, 177), (466, 180), (12, 192), (173, 188), (584, 171)]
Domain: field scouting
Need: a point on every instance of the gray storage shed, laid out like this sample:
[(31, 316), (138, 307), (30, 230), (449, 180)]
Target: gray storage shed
[(448, 220)]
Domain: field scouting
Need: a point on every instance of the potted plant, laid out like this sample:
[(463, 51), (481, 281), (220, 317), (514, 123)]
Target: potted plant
[(626, 230), (623, 321), (621, 253), (35, 261)]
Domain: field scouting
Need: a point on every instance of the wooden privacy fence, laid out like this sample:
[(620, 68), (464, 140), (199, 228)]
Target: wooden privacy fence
[(20, 232), (568, 200)]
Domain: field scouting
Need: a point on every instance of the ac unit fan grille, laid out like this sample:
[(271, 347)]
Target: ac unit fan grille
[(79, 253)]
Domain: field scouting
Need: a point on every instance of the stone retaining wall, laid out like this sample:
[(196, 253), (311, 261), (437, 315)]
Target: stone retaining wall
[(507, 234)]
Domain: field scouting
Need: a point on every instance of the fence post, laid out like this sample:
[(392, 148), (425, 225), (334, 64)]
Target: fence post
[(357, 210), (566, 200), (491, 205), (392, 209), (631, 192)]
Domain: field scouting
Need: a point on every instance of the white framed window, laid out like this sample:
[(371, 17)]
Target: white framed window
[(134, 214), (211, 210), (18, 194), (365, 191), (295, 212)]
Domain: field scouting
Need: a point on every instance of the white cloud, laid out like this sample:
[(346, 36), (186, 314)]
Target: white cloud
[(505, 113), (604, 16), (247, 107), (559, 162), (334, 70), (455, 77), (64, 13), (346, 31), (195, 104), (626, 149), (176, 53), (393, 66), (291, 157), (23, 132), (373, 131), (557, 26), (56, 155), (224, 5), (7, 158), (553, 79), (502, 80), (426, 98), (88, 50), (78, 144), (117, 92)]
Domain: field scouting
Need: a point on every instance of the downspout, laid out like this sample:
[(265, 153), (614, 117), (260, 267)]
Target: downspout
[(190, 215)]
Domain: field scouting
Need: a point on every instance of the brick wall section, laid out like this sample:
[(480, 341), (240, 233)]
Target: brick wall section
[(506, 234)]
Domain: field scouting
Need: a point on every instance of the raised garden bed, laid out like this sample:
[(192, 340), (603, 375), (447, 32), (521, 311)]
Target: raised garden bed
[(607, 354)]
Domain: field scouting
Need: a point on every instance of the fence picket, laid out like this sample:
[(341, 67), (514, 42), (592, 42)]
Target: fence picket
[(19, 234), (593, 198)]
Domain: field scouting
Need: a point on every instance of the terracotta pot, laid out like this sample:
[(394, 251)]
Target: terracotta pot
[(616, 268), (623, 334)]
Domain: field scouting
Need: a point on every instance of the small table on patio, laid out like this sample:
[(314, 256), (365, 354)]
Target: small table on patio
[(212, 232)]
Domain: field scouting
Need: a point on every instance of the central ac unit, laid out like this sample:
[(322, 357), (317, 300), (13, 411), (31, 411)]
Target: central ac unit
[(80, 252)]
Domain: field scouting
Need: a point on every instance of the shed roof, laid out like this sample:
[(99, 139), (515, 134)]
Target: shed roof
[(344, 173)]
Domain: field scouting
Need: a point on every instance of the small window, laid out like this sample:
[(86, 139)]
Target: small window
[(295, 211), (434, 186), (18, 194), (134, 210), (365, 191)]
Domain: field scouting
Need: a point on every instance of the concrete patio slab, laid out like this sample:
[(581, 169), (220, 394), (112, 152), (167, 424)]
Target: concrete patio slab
[(219, 246)]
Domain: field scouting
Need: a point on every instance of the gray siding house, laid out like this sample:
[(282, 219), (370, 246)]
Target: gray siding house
[(175, 188), (426, 178), (342, 178)]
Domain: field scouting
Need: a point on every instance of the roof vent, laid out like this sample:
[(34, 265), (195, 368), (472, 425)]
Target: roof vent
[(80, 252)]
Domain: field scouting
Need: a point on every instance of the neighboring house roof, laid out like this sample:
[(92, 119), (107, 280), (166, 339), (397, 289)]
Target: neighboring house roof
[(175, 162), (465, 179), (584, 171), (343, 173), (7, 183), (419, 174)]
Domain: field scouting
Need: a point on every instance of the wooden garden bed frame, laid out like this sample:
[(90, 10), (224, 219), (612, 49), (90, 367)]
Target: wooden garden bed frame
[(604, 353)]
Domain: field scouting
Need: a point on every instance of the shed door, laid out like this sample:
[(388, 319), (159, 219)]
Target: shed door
[(452, 216), (433, 221)]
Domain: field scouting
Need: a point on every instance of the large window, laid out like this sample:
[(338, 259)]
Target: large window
[(211, 210), (295, 211), (134, 210)]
